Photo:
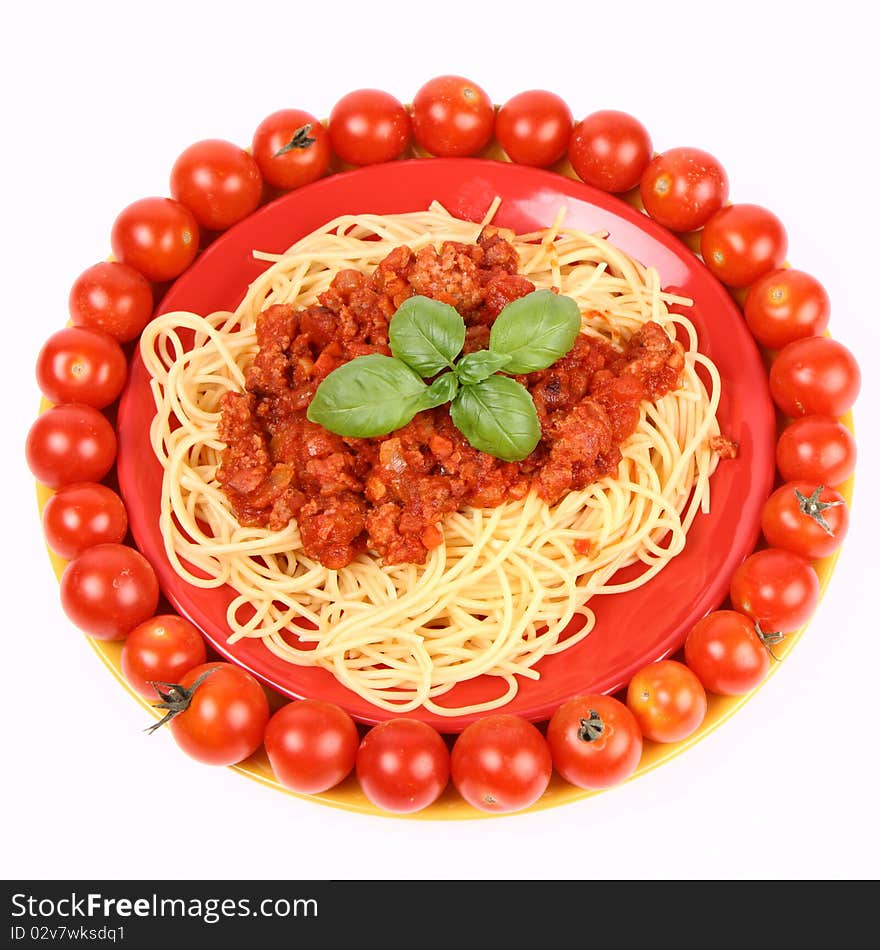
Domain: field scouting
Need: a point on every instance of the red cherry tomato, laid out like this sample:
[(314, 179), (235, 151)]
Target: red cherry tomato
[(610, 150), (778, 589), (291, 148), (70, 443), (741, 243), (805, 518), (667, 700), (108, 590), (81, 365), (311, 745), (218, 181), (815, 376), (816, 449), (452, 116), (224, 718), (682, 188), (501, 763), (534, 127), (786, 305), (595, 741), (157, 236), (402, 765), (161, 650), (80, 516), (368, 126), (112, 297), (726, 653)]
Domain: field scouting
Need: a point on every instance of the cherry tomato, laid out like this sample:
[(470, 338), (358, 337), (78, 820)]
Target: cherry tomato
[(534, 127), (291, 148), (224, 717), (595, 741), (70, 443), (157, 236), (726, 653), (218, 181), (667, 700), (501, 763), (778, 589), (108, 590), (610, 150), (311, 745), (741, 243), (815, 376), (82, 515), (402, 765), (682, 188), (161, 650), (452, 116), (816, 449), (785, 305), (805, 518), (368, 126), (112, 297), (81, 365)]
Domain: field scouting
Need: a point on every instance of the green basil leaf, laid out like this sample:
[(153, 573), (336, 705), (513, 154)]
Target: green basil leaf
[(440, 391), (497, 416), (535, 331), (368, 396), (476, 367), (426, 334)]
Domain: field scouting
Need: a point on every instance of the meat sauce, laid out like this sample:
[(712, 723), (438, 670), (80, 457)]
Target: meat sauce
[(389, 494)]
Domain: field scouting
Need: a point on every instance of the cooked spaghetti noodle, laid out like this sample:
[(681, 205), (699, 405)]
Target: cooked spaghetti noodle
[(503, 587)]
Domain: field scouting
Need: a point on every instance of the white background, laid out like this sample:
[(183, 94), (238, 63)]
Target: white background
[(98, 101)]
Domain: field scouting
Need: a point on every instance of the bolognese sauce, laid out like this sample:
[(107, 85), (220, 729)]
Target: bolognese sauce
[(390, 494)]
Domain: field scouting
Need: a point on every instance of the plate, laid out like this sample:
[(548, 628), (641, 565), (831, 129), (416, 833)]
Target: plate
[(632, 629)]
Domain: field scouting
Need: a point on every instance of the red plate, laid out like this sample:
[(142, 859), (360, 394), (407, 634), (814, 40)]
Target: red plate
[(632, 629)]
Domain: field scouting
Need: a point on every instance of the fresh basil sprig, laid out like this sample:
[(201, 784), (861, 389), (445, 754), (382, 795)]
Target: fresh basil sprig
[(374, 395)]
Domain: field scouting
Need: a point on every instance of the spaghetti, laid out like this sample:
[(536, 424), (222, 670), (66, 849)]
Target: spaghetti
[(502, 589)]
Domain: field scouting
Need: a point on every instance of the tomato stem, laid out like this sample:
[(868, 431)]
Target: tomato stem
[(301, 139), (770, 639), (175, 699), (590, 729), (813, 508)]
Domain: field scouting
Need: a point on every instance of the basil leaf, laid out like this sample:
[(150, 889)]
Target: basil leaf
[(497, 416), (368, 396), (441, 390), (475, 367), (426, 334), (535, 331)]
